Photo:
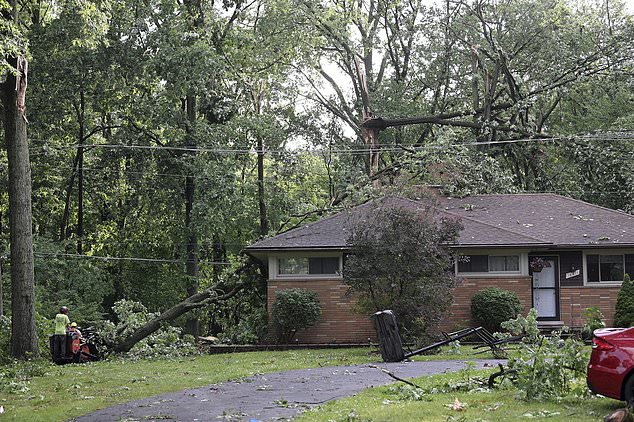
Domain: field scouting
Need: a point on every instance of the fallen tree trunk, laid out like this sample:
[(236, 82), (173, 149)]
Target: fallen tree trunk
[(207, 297)]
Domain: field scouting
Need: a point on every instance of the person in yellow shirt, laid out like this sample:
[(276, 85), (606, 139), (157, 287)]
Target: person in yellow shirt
[(62, 323)]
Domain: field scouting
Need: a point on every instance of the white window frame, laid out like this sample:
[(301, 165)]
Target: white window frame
[(603, 252), (523, 262), (274, 266)]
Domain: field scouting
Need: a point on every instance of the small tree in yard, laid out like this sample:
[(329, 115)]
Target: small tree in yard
[(624, 310), (293, 310), (400, 261)]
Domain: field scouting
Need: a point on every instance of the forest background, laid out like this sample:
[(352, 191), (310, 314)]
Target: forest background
[(165, 136)]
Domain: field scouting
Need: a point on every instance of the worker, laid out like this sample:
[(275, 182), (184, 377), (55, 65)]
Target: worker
[(62, 323), (74, 331), (75, 336)]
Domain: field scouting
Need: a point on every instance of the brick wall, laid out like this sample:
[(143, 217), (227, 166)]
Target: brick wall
[(459, 315), (574, 300), (338, 323)]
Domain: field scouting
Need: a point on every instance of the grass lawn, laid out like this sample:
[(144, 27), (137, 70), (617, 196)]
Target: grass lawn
[(402, 403), (58, 393), (46, 392)]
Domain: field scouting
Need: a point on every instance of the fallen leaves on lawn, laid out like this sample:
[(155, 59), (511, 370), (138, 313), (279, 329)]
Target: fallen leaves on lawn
[(457, 405)]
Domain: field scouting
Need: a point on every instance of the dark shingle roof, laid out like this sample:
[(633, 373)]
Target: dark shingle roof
[(330, 232), (551, 218), (488, 220)]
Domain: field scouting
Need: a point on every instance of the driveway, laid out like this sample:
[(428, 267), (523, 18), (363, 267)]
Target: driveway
[(273, 396)]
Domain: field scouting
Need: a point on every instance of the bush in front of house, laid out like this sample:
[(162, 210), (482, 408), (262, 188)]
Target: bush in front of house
[(293, 310), (594, 321), (492, 306), (624, 309)]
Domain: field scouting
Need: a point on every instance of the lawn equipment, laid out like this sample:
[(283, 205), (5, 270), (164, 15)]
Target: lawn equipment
[(78, 348)]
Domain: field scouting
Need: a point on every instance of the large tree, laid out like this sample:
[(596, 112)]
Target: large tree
[(13, 92)]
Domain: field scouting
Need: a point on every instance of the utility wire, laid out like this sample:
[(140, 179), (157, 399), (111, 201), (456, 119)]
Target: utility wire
[(619, 136), (117, 258)]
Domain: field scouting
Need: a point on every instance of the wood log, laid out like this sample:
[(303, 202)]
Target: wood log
[(390, 343)]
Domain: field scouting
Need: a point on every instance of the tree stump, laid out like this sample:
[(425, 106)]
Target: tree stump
[(390, 343)]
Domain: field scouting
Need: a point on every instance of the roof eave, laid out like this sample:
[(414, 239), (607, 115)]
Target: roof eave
[(497, 245), (295, 248)]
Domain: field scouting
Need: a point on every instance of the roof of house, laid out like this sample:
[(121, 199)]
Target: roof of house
[(521, 220), (551, 218)]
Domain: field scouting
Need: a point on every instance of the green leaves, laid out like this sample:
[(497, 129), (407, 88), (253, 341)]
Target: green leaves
[(293, 310), (398, 261)]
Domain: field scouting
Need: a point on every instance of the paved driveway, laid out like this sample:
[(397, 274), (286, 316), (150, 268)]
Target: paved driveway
[(273, 396)]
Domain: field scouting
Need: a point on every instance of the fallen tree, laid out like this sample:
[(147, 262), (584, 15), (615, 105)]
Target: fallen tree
[(217, 293)]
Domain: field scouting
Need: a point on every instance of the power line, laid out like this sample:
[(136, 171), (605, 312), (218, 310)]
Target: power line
[(627, 136), (117, 258)]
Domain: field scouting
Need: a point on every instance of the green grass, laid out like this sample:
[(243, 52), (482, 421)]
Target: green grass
[(62, 392), (393, 403), (58, 393)]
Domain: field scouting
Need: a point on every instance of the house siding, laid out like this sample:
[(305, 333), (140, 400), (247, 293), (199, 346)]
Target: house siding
[(574, 300), (338, 322), (459, 314)]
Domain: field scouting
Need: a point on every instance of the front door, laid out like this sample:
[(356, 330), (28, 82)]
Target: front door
[(546, 288)]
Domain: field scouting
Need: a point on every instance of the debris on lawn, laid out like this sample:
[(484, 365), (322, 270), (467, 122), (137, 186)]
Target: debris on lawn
[(385, 371), (619, 415), (457, 405), (541, 414)]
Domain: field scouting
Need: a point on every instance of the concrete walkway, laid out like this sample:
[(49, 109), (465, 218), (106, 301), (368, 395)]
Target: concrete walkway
[(274, 396)]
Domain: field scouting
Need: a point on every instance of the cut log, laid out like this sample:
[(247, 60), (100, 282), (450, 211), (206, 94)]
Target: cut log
[(390, 343)]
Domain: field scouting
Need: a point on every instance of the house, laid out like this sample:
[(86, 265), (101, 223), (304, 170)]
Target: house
[(560, 255)]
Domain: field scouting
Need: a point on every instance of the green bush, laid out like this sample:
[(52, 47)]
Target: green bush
[(293, 310), (624, 310), (492, 306), (594, 321)]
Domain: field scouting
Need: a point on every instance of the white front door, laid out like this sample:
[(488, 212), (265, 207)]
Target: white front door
[(545, 288)]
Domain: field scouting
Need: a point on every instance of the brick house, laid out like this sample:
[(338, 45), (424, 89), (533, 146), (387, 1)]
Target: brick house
[(560, 256)]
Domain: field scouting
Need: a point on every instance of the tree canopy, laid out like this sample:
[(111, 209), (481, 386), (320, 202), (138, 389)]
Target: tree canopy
[(165, 136)]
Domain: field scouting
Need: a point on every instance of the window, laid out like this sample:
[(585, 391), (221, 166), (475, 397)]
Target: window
[(306, 265), (605, 268), (488, 263)]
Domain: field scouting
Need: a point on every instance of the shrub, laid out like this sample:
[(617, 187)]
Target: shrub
[(492, 306), (624, 310), (545, 367), (293, 310), (594, 321)]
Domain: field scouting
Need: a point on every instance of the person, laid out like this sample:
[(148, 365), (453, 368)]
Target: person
[(75, 336), (74, 331), (62, 323)]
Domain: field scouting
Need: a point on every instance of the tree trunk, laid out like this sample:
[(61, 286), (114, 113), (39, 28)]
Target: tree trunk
[(1, 268), (199, 300), (80, 174), (264, 225), (192, 325), (63, 226), (23, 331)]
